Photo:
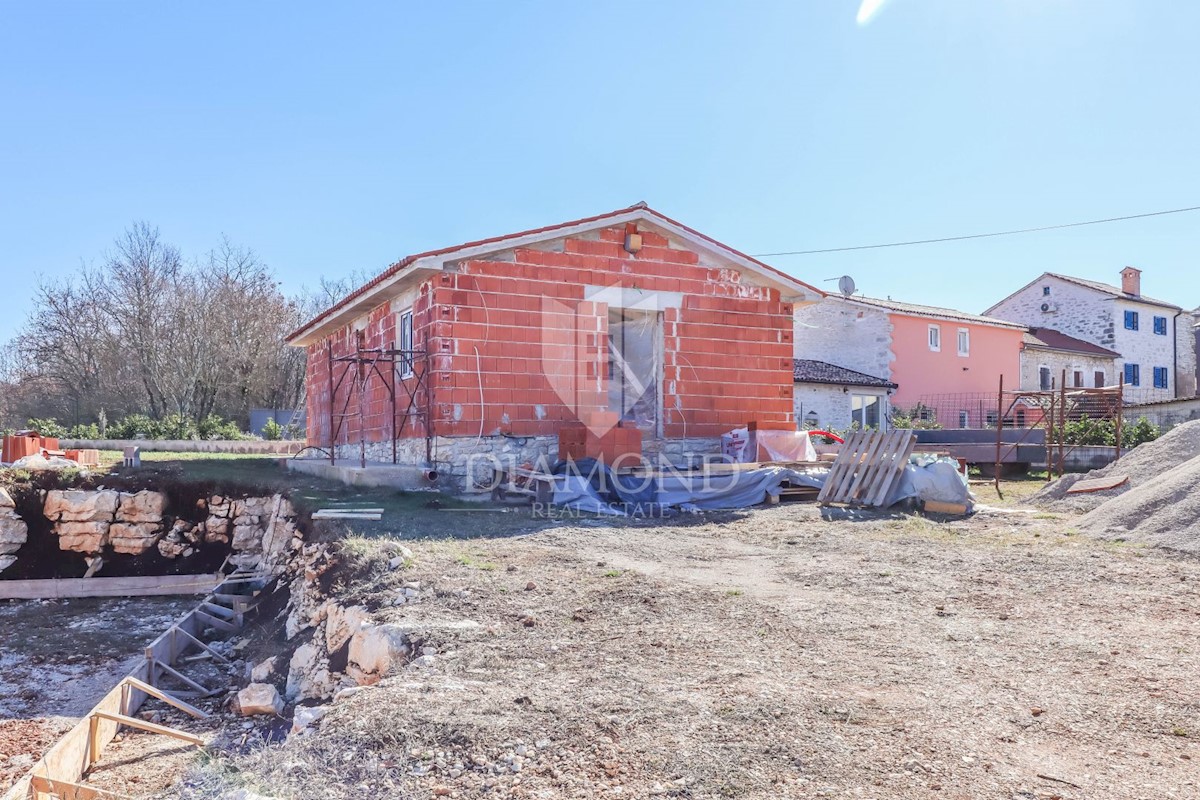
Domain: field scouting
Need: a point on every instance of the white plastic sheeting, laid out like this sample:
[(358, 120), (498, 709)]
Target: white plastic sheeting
[(742, 446)]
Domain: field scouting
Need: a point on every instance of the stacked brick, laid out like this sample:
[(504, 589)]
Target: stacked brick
[(515, 348)]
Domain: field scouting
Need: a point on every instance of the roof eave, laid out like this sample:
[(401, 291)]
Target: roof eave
[(792, 290)]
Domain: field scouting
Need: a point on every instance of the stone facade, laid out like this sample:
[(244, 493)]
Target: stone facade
[(1033, 359), (832, 405), (853, 337), (1099, 317)]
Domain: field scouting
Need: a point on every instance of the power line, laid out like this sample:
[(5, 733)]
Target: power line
[(980, 235)]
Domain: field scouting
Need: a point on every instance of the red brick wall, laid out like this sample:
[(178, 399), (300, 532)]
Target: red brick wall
[(727, 350)]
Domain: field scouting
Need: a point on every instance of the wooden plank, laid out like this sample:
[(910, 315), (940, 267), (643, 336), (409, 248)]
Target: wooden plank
[(346, 515), (841, 465), (68, 790), (174, 673), (216, 622), (187, 708), (894, 468), (876, 471), (938, 507), (352, 509), (1098, 484), (132, 586), (134, 722), (875, 450)]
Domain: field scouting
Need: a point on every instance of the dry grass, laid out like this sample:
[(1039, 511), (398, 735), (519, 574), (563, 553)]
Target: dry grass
[(776, 654)]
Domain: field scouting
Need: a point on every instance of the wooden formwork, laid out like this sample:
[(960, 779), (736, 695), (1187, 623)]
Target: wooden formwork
[(60, 772)]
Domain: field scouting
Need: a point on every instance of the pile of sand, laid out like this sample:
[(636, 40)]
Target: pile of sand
[(1143, 464)]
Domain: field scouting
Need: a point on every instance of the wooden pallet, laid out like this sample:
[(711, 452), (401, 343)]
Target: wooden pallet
[(867, 467)]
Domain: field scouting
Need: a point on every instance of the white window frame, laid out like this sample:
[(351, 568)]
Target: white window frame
[(404, 343), (964, 335), (964, 419), (935, 338)]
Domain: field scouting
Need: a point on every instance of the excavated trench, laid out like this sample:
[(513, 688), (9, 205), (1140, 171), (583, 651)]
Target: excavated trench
[(60, 656), (177, 541)]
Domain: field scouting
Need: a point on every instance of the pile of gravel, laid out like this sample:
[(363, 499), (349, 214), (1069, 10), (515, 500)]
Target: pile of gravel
[(1143, 465), (1163, 512)]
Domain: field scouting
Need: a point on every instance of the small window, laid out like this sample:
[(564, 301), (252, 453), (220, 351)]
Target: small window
[(1020, 418), (935, 338), (964, 342), (812, 421), (1160, 378), (991, 418), (1133, 375), (964, 419), (1077, 379), (1131, 320), (1099, 377), (1045, 291), (1160, 326), (404, 365), (1045, 382)]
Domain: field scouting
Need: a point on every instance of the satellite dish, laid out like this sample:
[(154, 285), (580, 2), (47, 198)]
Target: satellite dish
[(846, 285)]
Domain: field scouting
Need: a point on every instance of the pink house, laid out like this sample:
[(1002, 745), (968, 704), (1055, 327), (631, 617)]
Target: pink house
[(947, 361)]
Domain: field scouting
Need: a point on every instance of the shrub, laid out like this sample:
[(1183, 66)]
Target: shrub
[(81, 431), (921, 417), (135, 426), (272, 431), (214, 427), (47, 427)]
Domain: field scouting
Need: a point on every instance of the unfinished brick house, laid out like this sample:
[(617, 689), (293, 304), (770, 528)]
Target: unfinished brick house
[(619, 322)]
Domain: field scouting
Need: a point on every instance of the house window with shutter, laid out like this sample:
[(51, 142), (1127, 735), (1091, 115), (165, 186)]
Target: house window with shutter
[(1133, 375), (1131, 320), (1160, 326)]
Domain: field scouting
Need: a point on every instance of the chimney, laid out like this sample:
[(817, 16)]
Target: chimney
[(1131, 281)]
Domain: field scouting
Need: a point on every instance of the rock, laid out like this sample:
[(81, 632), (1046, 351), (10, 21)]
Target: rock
[(219, 507), (6, 562), (82, 537), (308, 675), (342, 623), (396, 562), (247, 561), (375, 651), (143, 506), (6, 500), (133, 538), (13, 530), (263, 669), (306, 716), (308, 608), (259, 698), (216, 530), (77, 505), (243, 794), (247, 536), (529, 587), (171, 546)]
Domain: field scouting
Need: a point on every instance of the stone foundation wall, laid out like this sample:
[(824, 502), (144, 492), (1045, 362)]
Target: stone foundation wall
[(466, 463)]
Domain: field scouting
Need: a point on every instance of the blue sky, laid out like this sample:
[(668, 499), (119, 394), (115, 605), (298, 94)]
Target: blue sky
[(333, 138)]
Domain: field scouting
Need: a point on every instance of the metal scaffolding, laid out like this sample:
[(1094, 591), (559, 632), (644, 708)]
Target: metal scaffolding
[(358, 371)]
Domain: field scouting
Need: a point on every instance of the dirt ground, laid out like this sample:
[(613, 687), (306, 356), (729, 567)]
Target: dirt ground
[(775, 653), (58, 658)]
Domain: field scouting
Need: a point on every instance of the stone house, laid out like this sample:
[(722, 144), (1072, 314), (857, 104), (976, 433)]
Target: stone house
[(948, 362), (1154, 339), (487, 350), (1046, 354), (828, 396)]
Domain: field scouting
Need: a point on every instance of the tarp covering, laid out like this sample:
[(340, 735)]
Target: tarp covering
[(590, 486)]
